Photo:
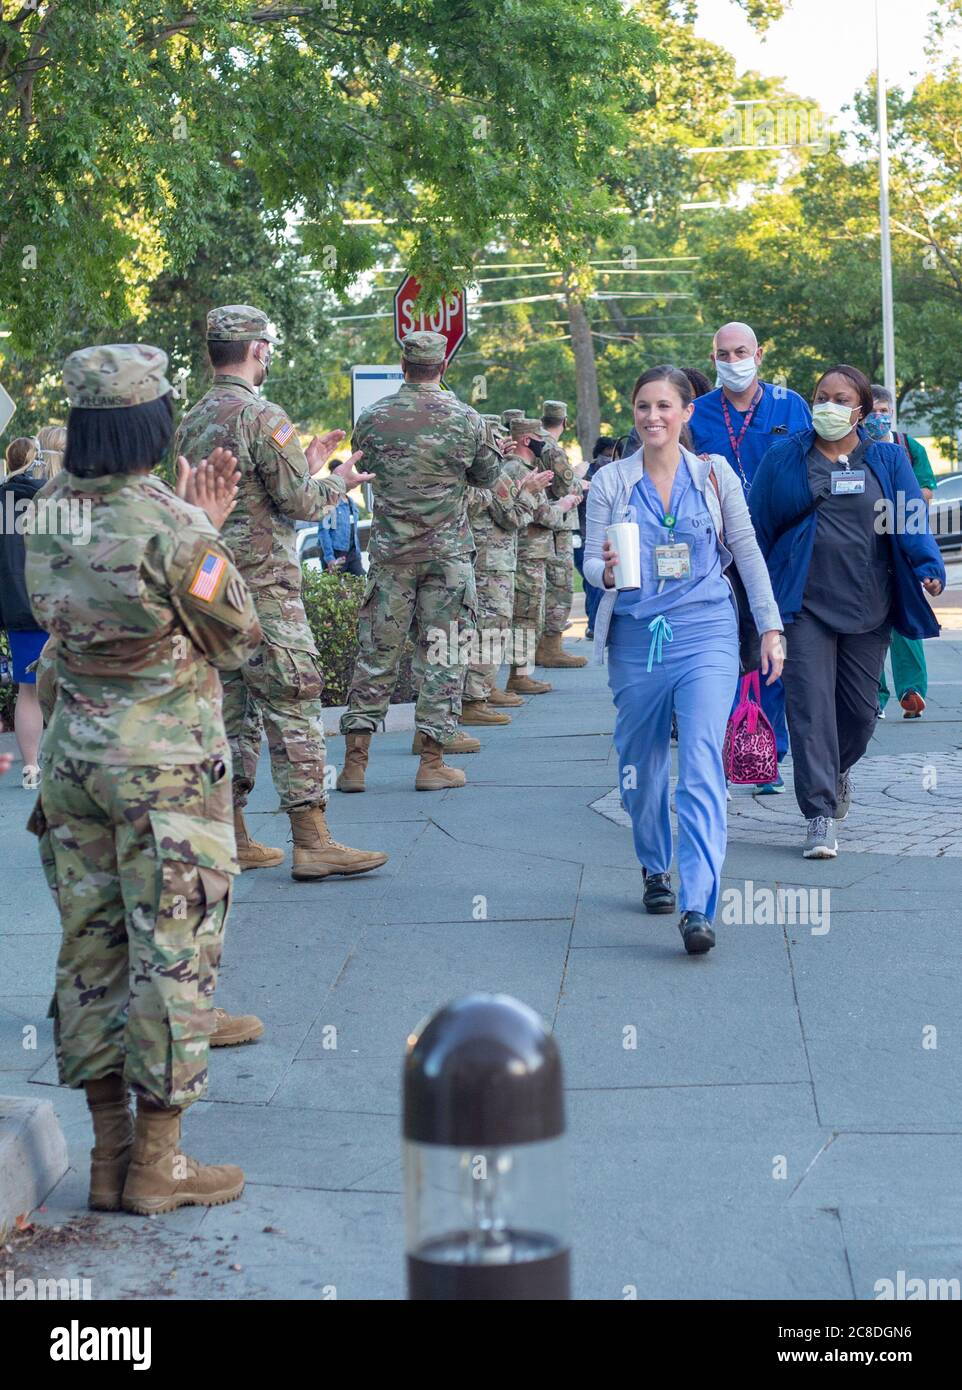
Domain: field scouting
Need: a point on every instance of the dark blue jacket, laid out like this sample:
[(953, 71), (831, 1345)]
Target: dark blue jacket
[(780, 491)]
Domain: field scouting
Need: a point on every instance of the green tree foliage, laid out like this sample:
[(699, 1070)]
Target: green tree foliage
[(127, 123), (802, 262)]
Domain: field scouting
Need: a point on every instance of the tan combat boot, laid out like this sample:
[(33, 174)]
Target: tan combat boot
[(231, 1029), (351, 777), (525, 685), (461, 743), (550, 652), (433, 774), (250, 853), (477, 712), (161, 1178), (503, 699), (109, 1105), (318, 855)]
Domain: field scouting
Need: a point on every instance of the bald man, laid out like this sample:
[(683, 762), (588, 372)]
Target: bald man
[(741, 419), (744, 416)]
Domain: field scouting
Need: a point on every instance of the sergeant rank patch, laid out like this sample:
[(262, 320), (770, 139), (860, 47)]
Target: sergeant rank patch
[(282, 434), (210, 572)]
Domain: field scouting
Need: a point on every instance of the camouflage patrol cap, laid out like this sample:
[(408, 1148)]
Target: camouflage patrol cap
[(113, 376), (493, 420), (239, 323), (431, 349), (554, 412), (524, 426), (510, 415)]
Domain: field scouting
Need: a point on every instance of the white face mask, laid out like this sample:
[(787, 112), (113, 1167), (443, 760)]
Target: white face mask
[(831, 420), (737, 376)]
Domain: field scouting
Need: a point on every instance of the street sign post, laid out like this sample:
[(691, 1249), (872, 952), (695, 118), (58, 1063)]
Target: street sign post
[(7, 409), (447, 316), (370, 384)]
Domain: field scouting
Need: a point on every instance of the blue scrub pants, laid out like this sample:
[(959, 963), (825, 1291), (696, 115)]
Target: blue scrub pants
[(592, 594), (696, 676)]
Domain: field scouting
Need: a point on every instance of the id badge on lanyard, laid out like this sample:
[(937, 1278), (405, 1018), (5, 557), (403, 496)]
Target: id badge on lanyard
[(673, 561), (847, 481)]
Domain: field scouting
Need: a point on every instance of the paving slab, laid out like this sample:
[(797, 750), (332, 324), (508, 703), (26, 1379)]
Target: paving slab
[(384, 991), (879, 996)]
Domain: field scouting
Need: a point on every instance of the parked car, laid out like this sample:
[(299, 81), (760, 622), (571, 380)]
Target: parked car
[(309, 551), (945, 512)]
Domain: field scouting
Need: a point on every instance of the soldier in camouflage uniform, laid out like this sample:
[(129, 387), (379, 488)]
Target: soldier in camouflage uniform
[(560, 568), (279, 689), (496, 515), (478, 499), (535, 548), (134, 811), (424, 447)]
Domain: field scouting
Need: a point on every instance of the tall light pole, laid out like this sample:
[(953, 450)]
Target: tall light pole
[(888, 316)]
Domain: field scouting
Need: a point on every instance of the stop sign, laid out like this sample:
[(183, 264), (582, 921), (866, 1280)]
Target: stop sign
[(448, 316)]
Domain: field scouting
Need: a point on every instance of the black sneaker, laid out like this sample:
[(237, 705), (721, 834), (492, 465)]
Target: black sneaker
[(658, 896), (696, 932)]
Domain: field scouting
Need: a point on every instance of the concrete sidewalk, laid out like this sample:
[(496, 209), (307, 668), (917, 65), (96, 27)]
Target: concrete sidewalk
[(783, 1126)]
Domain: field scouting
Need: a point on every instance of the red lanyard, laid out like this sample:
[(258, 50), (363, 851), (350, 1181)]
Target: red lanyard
[(737, 443)]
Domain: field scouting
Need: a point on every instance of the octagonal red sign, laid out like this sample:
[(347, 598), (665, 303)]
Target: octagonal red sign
[(448, 316)]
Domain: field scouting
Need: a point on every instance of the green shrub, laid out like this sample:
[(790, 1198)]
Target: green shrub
[(332, 603)]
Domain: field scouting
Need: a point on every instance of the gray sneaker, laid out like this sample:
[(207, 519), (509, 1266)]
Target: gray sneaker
[(843, 799), (820, 841)]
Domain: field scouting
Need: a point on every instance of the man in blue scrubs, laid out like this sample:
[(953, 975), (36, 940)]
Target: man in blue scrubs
[(741, 420)]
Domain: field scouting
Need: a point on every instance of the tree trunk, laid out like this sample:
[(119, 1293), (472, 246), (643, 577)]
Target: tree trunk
[(586, 375)]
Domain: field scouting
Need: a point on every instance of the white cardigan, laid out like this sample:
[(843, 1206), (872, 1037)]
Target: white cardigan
[(608, 497)]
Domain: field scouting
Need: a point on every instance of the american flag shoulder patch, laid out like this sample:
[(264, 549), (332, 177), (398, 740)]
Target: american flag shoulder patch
[(282, 434), (210, 572)]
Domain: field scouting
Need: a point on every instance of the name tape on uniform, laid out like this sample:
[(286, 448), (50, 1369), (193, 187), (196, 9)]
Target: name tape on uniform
[(210, 572)]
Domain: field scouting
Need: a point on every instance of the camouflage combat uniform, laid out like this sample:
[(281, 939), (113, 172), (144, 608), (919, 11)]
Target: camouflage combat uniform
[(425, 447), (535, 550), (279, 689), (496, 515), (560, 567), (134, 815)]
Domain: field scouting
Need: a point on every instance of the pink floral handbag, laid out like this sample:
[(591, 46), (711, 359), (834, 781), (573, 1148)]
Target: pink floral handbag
[(749, 752)]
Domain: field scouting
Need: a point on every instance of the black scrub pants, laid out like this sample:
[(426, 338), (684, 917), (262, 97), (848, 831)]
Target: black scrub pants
[(831, 699)]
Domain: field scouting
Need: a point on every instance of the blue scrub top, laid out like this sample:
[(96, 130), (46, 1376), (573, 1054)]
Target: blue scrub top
[(779, 413), (693, 524)]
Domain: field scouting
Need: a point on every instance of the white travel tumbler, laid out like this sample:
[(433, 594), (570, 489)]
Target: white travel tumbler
[(625, 538)]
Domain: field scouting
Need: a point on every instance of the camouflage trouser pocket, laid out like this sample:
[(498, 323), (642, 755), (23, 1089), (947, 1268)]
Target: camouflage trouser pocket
[(279, 674), (37, 825), (176, 938)]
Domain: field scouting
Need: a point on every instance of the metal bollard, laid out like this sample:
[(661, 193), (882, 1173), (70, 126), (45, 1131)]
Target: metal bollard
[(484, 1185)]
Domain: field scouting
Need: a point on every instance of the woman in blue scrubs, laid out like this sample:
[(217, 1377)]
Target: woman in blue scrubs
[(672, 644)]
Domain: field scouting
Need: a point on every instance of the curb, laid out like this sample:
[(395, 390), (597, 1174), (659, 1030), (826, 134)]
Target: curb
[(33, 1156)]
